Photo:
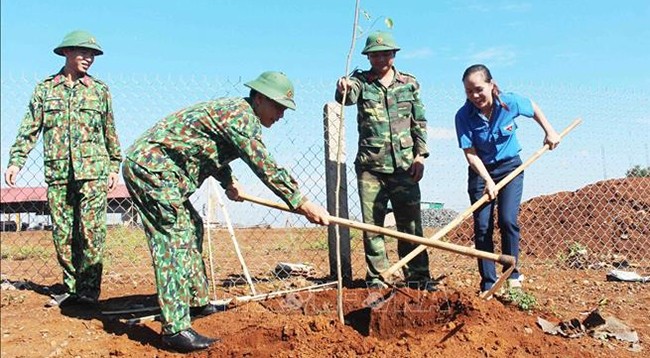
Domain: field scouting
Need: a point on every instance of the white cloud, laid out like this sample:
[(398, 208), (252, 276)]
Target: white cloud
[(420, 53), (495, 56), (441, 133)]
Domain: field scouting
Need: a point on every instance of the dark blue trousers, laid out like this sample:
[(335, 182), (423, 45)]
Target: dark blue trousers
[(507, 205)]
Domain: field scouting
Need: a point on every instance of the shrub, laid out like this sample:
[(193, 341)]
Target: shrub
[(638, 172)]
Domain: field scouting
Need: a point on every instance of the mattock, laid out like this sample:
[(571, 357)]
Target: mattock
[(434, 241), (460, 218), (468, 251)]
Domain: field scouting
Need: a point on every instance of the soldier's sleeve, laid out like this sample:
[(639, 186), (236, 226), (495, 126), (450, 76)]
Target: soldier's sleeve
[(225, 176), (354, 92), (28, 132), (419, 124), (110, 135), (253, 151)]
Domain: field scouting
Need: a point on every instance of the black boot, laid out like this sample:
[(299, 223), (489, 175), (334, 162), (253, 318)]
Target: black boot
[(203, 311), (188, 340)]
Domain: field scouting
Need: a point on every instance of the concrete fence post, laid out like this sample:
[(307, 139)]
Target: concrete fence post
[(332, 131)]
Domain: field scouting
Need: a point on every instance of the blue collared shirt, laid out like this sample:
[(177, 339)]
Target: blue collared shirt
[(494, 140)]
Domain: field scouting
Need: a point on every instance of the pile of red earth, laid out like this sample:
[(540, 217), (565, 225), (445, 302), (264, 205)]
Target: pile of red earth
[(610, 217), (383, 323)]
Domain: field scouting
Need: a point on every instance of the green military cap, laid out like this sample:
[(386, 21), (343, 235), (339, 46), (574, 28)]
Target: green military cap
[(380, 41), (276, 86), (79, 38)]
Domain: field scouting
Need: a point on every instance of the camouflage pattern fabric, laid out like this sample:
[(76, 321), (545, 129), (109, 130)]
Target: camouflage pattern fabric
[(166, 165), (175, 233), (78, 212), (404, 195), (80, 149), (392, 131), (201, 140), (79, 134), (390, 121)]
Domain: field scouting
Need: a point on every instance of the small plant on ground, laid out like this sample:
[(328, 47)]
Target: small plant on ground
[(524, 300), (576, 256)]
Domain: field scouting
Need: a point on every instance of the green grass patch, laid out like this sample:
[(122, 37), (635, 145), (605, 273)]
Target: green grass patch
[(524, 300), (316, 241), (318, 244), (283, 245), (26, 252), (125, 244)]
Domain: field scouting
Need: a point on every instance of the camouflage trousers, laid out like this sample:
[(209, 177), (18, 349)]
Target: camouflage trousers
[(78, 211), (375, 191), (174, 231)]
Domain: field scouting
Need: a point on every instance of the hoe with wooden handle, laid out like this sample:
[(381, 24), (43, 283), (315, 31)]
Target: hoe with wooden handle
[(443, 231), (505, 260), (468, 251)]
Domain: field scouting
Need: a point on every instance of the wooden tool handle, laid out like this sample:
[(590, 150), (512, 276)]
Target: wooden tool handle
[(468, 251), (484, 199)]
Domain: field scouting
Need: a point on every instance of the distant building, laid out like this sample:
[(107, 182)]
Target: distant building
[(29, 209)]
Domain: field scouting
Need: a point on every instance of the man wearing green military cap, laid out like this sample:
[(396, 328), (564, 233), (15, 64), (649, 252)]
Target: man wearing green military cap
[(82, 159), (390, 157), (79, 39), (170, 161)]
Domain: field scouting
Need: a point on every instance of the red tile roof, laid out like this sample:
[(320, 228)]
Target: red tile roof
[(25, 194)]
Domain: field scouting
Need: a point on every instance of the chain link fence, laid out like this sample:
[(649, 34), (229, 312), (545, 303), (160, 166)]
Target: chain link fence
[(580, 209)]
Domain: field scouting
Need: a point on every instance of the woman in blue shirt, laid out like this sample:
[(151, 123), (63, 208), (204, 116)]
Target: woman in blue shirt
[(485, 126)]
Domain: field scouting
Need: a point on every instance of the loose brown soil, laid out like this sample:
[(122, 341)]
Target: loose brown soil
[(451, 322), (611, 215)]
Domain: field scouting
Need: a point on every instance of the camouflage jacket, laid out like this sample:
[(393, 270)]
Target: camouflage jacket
[(201, 140), (391, 124), (79, 135)]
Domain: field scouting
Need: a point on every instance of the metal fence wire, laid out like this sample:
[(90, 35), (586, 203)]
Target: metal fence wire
[(580, 209)]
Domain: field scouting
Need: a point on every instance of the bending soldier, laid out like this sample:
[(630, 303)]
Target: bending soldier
[(171, 160)]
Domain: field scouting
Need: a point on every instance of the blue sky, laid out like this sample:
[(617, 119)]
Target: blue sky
[(581, 41), (576, 58)]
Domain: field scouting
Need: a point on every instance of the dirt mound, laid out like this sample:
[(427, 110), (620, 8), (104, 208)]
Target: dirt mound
[(613, 215), (451, 322), (373, 312), (609, 217), (384, 323)]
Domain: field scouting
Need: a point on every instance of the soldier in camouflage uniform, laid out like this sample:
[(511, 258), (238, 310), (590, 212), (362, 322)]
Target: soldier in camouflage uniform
[(171, 160), (82, 159), (390, 157)]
